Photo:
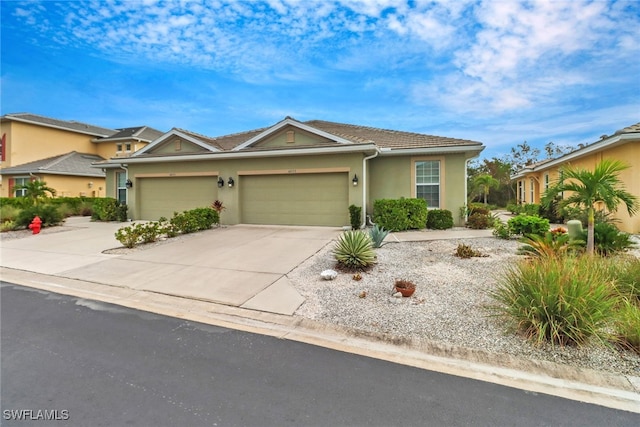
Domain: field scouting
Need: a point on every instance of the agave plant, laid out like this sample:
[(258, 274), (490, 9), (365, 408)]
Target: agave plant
[(378, 235), (354, 249)]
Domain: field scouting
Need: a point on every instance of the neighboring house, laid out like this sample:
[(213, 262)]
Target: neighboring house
[(624, 145), (292, 173), (60, 152)]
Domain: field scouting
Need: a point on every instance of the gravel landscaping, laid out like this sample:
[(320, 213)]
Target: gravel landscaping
[(448, 307)]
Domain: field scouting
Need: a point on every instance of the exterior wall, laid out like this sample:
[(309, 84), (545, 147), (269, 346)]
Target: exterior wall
[(75, 186), (628, 153), (393, 177), (237, 168), (108, 149), (291, 140), (172, 146)]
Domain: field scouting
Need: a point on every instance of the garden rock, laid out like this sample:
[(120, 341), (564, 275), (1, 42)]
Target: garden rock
[(329, 274)]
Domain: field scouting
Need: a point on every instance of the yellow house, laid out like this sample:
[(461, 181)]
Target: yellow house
[(624, 145), (60, 153)]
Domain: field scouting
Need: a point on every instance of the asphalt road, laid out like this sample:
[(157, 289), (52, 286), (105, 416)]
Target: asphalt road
[(93, 364)]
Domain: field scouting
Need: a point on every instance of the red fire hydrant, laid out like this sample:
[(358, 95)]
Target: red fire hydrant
[(35, 225)]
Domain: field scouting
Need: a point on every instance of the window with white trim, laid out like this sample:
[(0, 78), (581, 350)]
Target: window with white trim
[(121, 187), (21, 181), (428, 182), (546, 182), (531, 189)]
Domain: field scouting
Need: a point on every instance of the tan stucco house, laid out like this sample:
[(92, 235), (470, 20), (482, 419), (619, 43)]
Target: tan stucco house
[(624, 145), (61, 152), (291, 173)]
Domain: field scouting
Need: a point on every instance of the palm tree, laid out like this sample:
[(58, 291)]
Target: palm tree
[(35, 190), (484, 183), (588, 188)]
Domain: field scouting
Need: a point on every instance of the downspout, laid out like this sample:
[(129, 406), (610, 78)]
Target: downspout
[(364, 187)]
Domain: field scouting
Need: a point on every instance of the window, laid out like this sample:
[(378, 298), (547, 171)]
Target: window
[(127, 147), (531, 190), (546, 181), (21, 181), (521, 191), (428, 182), (121, 187), (118, 147)]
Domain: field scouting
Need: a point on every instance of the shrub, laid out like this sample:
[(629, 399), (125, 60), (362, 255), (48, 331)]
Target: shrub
[(377, 235), (479, 221), (9, 212), (627, 325), (354, 250), (355, 215), (552, 212), (528, 224), (501, 230), (108, 209), (464, 251), (439, 219), (557, 300), (514, 208), (608, 239), (149, 232), (129, 236), (479, 208), (550, 245), (532, 209), (48, 214), (193, 220), (400, 214), (8, 226)]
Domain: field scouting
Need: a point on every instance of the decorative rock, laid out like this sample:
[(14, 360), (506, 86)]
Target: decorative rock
[(397, 295), (395, 300), (329, 274)]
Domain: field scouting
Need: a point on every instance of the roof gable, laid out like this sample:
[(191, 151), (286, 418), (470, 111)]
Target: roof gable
[(179, 141), (277, 136)]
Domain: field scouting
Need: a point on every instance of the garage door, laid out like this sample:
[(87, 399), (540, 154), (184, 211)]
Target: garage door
[(163, 196), (302, 199)]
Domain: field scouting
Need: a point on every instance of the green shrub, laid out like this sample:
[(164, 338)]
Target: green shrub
[(559, 300), (501, 230), (479, 221), (514, 208), (16, 202), (355, 216), (150, 231), (108, 209), (439, 219), (48, 214), (627, 325), (531, 209), (552, 212), (551, 244), (8, 226), (378, 235), (608, 239), (474, 208), (354, 250), (129, 236), (194, 220), (528, 224), (400, 214), (9, 212)]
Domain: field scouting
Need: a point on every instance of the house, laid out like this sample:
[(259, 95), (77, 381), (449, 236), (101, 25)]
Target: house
[(624, 145), (61, 152), (291, 173)]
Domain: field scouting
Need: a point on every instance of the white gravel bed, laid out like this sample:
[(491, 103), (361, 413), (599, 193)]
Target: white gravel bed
[(448, 307)]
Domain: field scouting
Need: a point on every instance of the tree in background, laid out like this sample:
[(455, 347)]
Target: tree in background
[(35, 191), (484, 183), (587, 188)]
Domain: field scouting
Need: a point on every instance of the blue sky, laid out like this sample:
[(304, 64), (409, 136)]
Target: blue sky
[(499, 72)]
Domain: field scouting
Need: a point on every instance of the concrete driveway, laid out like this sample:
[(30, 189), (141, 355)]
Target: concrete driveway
[(241, 265)]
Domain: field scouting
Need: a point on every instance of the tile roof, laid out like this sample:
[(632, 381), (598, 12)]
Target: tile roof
[(629, 129), (225, 142), (60, 124), (144, 133), (72, 163)]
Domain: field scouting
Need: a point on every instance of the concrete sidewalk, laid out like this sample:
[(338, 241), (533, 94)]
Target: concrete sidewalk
[(242, 266)]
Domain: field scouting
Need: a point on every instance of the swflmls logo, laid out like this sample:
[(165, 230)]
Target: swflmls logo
[(35, 415)]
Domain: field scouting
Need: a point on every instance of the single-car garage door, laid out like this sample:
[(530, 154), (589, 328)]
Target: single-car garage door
[(160, 197), (297, 199)]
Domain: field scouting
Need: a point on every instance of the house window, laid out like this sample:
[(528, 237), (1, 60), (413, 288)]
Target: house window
[(521, 192), (428, 182), (127, 147), (531, 190), (21, 181), (121, 187), (118, 147)]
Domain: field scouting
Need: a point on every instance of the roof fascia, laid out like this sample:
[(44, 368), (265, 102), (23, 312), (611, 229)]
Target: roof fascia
[(222, 155), (621, 138), (168, 135), (33, 122), (475, 151), (288, 121)]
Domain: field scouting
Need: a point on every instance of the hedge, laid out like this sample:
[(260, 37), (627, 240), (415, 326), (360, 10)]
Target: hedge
[(400, 214)]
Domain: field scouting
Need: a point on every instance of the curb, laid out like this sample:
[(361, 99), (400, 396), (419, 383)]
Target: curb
[(581, 384)]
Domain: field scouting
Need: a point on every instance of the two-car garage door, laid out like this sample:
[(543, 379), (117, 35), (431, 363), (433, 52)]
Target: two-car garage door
[(295, 199), (161, 197)]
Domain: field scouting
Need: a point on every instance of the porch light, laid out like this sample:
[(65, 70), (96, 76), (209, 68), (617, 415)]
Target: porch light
[(90, 185), (355, 180), (231, 182), (220, 182), (128, 184)]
